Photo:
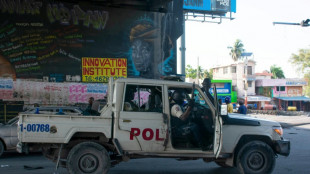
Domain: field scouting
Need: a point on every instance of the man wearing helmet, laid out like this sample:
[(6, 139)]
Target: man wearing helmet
[(180, 117), (229, 105)]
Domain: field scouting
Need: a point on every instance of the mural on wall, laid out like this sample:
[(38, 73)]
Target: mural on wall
[(46, 40)]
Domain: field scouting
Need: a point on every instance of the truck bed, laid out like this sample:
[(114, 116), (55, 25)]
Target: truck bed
[(41, 128)]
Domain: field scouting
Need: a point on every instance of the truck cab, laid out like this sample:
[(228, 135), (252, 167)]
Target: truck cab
[(147, 126)]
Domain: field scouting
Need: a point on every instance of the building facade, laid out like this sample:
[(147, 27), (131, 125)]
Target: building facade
[(242, 75), (285, 93)]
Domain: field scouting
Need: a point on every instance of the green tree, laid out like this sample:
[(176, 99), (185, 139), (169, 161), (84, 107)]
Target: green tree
[(208, 74), (277, 72), (302, 61), (236, 50), (190, 72)]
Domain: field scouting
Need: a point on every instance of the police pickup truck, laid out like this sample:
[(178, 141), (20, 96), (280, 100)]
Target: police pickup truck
[(137, 123)]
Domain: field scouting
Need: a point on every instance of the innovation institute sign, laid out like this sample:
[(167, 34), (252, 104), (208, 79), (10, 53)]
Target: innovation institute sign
[(101, 69)]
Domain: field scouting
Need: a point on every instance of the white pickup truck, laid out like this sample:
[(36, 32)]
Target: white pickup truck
[(137, 123)]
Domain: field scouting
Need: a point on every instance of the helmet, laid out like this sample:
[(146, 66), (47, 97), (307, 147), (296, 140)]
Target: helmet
[(178, 96), (227, 100)]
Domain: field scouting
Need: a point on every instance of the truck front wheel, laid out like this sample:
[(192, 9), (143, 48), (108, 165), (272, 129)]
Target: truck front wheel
[(255, 157), (88, 157)]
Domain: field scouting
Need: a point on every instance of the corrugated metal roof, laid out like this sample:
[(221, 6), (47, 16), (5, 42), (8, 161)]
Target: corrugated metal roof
[(297, 98)]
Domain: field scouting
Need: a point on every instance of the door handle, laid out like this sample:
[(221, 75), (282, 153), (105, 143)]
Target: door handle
[(127, 121)]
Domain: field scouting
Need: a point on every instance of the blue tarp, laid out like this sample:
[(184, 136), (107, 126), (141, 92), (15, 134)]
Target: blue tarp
[(299, 98)]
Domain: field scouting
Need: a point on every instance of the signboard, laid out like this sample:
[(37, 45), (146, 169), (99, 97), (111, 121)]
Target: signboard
[(101, 69), (203, 5), (210, 5), (222, 88), (6, 88)]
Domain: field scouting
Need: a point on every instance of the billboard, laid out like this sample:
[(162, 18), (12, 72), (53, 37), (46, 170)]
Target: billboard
[(210, 5)]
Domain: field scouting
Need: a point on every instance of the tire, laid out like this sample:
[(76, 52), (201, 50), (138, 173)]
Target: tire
[(256, 157), (88, 157), (222, 164), (1, 148)]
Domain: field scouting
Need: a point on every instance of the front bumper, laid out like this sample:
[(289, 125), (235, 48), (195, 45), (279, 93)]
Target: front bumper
[(283, 147)]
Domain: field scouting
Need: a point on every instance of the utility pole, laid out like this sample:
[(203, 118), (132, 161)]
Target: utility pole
[(246, 76), (198, 72)]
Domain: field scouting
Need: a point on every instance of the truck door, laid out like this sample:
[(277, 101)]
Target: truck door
[(141, 120), (217, 126)]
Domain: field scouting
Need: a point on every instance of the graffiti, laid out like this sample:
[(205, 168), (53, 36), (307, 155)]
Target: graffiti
[(47, 93), (66, 16), (20, 7), (80, 93)]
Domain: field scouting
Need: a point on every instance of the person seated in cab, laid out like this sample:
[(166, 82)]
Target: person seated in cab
[(180, 118), (129, 105)]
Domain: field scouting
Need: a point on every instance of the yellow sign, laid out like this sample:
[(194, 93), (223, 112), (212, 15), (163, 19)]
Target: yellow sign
[(101, 69)]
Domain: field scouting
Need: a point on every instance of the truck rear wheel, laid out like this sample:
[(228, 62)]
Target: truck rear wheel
[(88, 157), (256, 157)]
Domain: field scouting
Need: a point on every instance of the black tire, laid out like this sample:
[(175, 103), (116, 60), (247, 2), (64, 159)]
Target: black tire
[(222, 164), (1, 148), (256, 157), (88, 157)]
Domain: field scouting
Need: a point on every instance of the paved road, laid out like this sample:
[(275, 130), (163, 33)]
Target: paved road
[(297, 162)]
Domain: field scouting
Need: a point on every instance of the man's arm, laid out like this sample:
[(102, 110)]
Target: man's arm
[(186, 114)]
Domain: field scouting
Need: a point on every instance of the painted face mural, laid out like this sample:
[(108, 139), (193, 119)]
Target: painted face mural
[(142, 55)]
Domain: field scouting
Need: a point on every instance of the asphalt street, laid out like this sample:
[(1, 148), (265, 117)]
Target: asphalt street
[(296, 129)]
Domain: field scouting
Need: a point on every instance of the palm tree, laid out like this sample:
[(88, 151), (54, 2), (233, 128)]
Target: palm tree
[(236, 50), (277, 72)]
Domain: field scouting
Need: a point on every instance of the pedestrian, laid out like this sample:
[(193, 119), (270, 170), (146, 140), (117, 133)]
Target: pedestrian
[(230, 107), (242, 109)]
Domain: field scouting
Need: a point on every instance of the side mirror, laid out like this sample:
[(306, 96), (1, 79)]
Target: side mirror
[(224, 110)]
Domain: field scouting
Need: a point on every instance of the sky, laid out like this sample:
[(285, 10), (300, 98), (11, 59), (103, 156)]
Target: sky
[(253, 25)]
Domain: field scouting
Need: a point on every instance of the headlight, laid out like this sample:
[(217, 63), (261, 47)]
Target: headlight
[(278, 130)]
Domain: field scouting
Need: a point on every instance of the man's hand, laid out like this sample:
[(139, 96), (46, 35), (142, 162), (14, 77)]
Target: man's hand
[(191, 102)]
